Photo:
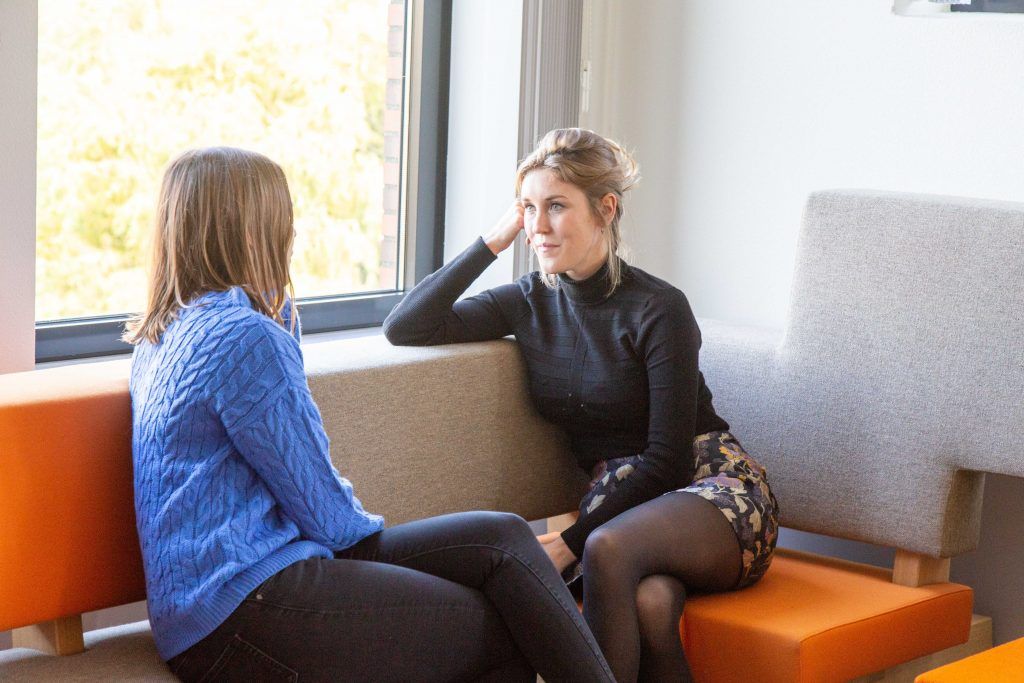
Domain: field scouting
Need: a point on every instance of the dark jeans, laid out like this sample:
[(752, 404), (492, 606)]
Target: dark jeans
[(470, 596)]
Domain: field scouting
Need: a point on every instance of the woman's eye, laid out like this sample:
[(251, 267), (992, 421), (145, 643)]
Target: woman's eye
[(556, 206), (529, 208)]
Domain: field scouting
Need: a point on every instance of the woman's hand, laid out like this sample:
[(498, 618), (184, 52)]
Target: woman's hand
[(547, 538), (557, 550), (505, 230)]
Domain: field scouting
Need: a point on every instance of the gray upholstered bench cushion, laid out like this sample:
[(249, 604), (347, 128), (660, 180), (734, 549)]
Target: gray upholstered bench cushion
[(120, 653)]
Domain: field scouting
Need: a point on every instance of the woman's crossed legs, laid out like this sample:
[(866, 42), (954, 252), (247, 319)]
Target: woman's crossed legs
[(470, 596), (637, 569)]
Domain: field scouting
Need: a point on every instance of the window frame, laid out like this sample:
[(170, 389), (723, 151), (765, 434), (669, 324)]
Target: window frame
[(421, 200)]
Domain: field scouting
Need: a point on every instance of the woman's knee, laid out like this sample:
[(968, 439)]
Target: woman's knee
[(606, 549), (659, 603), (498, 525)]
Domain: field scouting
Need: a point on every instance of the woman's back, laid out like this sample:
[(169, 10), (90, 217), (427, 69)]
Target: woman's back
[(209, 453)]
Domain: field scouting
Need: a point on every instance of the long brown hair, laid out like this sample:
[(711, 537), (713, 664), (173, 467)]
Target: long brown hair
[(223, 219), (597, 166)]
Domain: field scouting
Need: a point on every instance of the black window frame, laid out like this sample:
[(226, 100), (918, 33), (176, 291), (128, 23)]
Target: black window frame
[(86, 337)]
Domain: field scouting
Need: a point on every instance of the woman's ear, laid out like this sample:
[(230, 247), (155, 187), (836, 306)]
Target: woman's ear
[(609, 204)]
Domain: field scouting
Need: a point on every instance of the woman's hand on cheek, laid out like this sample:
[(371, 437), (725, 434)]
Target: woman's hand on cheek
[(558, 552), (505, 230)]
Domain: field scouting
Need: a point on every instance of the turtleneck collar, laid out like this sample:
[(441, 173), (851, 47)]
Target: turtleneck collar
[(592, 290)]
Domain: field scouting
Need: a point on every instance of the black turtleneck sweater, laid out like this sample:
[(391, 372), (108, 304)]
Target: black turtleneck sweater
[(618, 373)]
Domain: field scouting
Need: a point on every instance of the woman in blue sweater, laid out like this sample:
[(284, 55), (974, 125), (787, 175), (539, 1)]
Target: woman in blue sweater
[(261, 563)]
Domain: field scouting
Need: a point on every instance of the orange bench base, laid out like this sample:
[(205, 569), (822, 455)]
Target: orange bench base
[(1004, 663), (814, 618)]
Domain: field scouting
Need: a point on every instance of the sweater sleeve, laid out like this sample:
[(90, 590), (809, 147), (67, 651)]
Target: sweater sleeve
[(271, 418), (669, 341), (430, 314)]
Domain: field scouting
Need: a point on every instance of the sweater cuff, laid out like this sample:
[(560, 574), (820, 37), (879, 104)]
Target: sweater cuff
[(478, 249), (576, 537)]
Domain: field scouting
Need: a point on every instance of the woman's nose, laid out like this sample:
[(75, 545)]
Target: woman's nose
[(540, 223)]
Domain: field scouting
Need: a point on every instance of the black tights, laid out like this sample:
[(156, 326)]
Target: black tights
[(636, 571)]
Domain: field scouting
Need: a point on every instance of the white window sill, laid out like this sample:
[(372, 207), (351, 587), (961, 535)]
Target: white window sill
[(308, 340)]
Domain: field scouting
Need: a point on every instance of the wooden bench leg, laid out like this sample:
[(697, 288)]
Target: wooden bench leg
[(911, 569), (58, 637)]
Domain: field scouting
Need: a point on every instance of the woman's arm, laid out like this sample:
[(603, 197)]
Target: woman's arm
[(669, 340), (430, 314), (273, 422)]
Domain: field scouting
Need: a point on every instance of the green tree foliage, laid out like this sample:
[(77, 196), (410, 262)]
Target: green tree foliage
[(126, 85)]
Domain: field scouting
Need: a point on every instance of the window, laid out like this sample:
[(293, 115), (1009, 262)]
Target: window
[(319, 86)]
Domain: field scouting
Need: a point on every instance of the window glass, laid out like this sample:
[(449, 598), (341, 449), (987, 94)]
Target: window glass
[(125, 85)]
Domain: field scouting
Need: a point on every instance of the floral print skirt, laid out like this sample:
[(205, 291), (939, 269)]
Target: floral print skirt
[(727, 476), (732, 480)]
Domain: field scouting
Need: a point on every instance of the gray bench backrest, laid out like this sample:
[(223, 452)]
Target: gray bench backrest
[(900, 376), (426, 431)]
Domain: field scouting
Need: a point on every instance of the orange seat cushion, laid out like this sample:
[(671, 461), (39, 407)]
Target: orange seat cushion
[(1004, 663), (820, 619), (68, 542)]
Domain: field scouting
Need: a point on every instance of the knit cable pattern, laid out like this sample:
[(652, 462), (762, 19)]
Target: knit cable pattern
[(233, 479)]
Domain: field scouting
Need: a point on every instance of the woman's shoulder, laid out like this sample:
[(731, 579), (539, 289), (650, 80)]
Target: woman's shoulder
[(225, 326), (527, 291), (652, 289), (247, 355), (664, 306), (532, 283)]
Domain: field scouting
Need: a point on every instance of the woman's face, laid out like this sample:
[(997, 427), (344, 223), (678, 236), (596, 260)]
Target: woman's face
[(563, 231)]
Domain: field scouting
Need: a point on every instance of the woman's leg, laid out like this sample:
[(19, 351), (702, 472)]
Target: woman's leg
[(351, 620), (659, 605), (680, 535), (498, 555)]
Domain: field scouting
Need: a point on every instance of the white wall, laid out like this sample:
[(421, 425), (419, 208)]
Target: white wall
[(483, 125), (18, 50), (737, 109)]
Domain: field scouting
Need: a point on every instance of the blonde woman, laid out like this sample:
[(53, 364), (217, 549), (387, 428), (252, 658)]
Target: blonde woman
[(611, 353), (261, 563)]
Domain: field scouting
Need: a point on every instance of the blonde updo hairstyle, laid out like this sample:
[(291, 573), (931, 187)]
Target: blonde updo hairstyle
[(595, 165)]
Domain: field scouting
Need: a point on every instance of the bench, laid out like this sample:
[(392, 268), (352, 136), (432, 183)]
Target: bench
[(862, 410)]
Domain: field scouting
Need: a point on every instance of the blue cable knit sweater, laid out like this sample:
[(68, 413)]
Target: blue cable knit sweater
[(233, 481)]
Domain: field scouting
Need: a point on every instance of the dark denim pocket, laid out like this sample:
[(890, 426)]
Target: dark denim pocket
[(244, 662)]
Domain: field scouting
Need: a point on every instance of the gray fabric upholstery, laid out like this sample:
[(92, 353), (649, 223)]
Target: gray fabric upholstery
[(738, 363), (425, 431), (897, 381), (901, 373), (121, 653)]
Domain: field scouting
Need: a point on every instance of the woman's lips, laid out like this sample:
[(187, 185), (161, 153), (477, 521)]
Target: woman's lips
[(546, 247)]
